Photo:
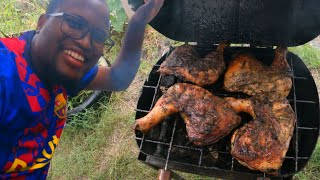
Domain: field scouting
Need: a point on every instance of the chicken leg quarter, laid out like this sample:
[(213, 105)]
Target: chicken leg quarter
[(208, 118), (248, 75), (262, 143), (185, 63)]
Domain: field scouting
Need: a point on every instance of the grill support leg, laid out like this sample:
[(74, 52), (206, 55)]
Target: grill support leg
[(164, 174)]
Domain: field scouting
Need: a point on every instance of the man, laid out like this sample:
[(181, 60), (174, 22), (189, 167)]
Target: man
[(41, 67)]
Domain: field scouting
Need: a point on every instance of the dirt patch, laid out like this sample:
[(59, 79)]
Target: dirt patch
[(316, 42), (316, 72)]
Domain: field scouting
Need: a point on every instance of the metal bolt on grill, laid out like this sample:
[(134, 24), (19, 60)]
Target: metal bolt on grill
[(167, 147)]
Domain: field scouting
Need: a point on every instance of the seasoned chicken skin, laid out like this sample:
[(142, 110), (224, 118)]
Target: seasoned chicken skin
[(262, 143), (248, 75), (185, 63), (208, 118)]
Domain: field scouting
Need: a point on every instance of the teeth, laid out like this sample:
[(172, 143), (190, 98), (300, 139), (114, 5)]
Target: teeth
[(74, 55)]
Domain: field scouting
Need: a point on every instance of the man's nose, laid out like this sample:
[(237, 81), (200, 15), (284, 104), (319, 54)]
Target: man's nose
[(85, 42)]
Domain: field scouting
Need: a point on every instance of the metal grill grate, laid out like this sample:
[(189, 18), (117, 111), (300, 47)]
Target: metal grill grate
[(166, 147)]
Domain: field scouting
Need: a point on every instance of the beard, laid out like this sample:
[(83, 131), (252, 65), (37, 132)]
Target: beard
[(55, 77)]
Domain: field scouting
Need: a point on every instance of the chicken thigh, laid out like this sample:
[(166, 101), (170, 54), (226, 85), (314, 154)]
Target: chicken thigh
[(248, 75), (208, 118), (262, 143), (185, 63)]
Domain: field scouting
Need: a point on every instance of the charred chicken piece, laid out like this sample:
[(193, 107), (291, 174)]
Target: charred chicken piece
[(185, 63), (248, 75), (262, 143), (208, 118)]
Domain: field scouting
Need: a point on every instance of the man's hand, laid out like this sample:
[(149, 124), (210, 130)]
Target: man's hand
[(124, 69), (149, 10)]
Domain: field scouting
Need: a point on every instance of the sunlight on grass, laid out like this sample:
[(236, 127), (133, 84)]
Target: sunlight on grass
[(83, 147), (309, 54), (106, 151)]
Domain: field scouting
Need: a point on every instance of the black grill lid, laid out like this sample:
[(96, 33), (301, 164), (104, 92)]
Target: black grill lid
[(256, 22)]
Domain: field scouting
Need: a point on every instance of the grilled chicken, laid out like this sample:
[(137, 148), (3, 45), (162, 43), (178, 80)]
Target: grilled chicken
[(262, 143), (248, 75), (208, 118), (185, 63)]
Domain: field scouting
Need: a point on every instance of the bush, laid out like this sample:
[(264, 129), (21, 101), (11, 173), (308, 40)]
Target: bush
[(117, 15)]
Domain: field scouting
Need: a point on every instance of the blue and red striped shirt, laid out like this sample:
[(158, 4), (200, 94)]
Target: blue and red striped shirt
[(31, 117)]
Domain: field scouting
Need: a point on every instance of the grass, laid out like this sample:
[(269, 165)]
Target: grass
[(309, 54), (104, 151), (312, 170), (99, 143), (19, 15)]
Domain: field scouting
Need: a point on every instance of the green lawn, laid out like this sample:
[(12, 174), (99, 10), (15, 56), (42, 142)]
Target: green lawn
[(309, 54), (99, 143)]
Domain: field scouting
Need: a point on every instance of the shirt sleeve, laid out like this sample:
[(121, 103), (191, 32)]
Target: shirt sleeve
[(84, 82), (4, 68), (2, 98)]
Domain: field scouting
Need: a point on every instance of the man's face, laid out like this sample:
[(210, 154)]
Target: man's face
[(65, 58)]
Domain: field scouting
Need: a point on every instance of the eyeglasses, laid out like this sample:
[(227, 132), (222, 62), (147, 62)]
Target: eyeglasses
[(77, 28)]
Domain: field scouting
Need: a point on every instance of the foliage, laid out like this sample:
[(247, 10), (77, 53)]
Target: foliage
[(79, 99), (117, 15), (19, 16)]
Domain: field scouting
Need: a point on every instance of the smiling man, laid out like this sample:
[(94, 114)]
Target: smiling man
[(40, 68)]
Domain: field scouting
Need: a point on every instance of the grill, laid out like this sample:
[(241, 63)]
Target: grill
[(166, 145), (258, 24)]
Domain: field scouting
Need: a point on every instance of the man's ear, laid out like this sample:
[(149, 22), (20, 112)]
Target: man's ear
[(41, 21)]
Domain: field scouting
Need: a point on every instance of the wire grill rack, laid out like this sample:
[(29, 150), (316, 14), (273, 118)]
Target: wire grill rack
[(167, 147)]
